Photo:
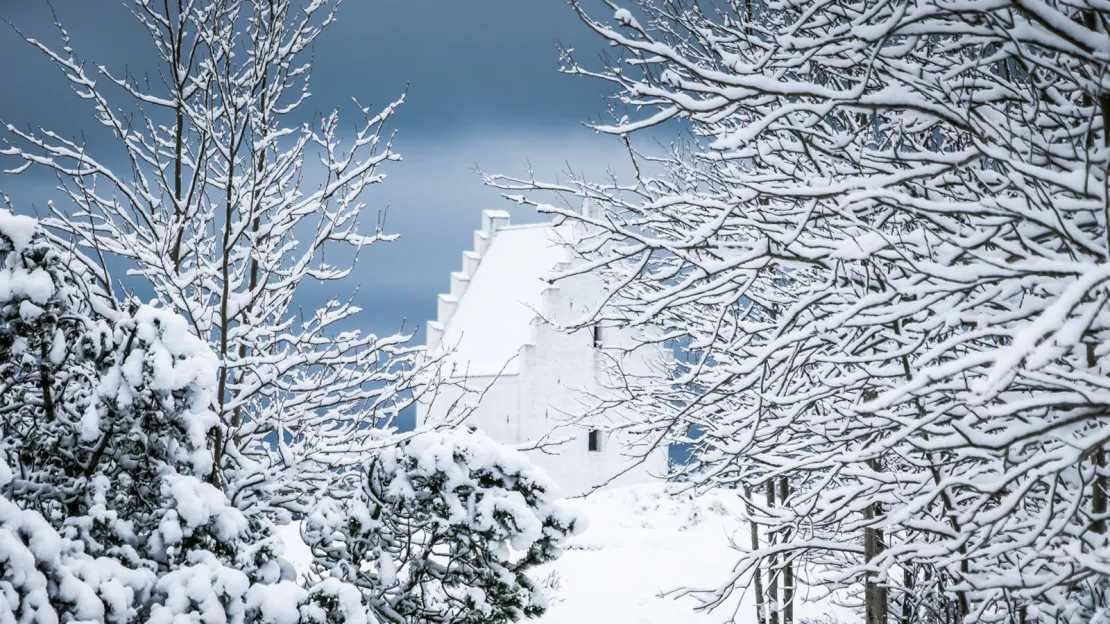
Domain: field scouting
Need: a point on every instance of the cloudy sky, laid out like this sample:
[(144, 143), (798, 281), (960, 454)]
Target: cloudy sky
[(483, 89)]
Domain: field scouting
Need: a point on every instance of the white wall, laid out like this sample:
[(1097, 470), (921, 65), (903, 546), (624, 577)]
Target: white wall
[(496, 414), (564, 374), (557, 385)]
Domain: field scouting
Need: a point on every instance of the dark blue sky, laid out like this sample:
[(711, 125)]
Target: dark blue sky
[(483, 88)]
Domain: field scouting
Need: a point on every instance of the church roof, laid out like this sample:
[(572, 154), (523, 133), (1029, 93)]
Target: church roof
[(487, 317)]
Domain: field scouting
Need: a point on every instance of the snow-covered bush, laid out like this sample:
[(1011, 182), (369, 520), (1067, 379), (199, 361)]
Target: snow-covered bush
[(105, 417), (443, 529), (106, 413), (52, 347), (45, 577)]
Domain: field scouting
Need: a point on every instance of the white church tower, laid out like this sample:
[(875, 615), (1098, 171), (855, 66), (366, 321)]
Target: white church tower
[(536, 381)]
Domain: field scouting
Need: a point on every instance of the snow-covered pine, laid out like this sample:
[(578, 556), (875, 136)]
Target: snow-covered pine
[(105, 512), (55, 340), (444, 529), (226, 206), (886, 255)]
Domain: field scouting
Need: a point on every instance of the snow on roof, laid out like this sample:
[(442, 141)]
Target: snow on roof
[(494, 316)]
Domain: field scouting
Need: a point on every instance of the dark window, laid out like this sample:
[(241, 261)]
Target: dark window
[(597, 336), (595, 440)]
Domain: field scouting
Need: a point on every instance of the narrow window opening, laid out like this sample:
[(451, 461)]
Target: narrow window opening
[(597, 336), (595, 440)]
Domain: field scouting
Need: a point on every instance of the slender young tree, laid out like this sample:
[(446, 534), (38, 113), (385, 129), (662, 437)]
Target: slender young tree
[(239, 209)]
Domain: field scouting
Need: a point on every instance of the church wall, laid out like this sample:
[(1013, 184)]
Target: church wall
[(557, 384), (494, 414), (546, 399), (561, 381)]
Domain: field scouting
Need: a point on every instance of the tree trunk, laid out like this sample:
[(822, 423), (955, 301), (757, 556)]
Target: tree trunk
[(179, 141), (946, 500), (875, 595), (760, 613), (1099, 486), (908, 583), (787, 563), (772, 565), (224, 324)]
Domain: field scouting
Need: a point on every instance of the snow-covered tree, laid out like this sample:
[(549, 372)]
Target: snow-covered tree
[(55, 340), (171, 443), (106, 412), (239, 210), (884, 249), (444, 529), (106, 514)]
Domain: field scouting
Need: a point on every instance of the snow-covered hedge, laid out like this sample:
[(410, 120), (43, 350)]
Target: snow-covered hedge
[(443, 529), (46, 578)]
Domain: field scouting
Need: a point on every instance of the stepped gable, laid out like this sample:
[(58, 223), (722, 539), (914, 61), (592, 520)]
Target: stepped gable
[(488, 314)]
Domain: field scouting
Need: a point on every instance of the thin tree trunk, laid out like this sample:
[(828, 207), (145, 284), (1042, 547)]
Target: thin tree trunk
[(882, 605), (178, 40), (225, 319), (787, 563), (760, 613), (871, 598), (256, 226), (48, 409), (1100, 486), (908, 598), (875, 595), (772, 565), (945, 499)]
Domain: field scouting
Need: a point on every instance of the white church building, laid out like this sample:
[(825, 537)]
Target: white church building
[(536, 382)]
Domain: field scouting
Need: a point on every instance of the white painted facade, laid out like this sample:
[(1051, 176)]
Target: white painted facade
[(538, 381)]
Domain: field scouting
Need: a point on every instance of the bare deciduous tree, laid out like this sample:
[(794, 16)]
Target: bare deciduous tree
[(884, 248), (241, 211)]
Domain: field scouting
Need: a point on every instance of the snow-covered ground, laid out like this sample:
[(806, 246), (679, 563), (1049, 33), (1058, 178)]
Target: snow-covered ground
[(642, 541)]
